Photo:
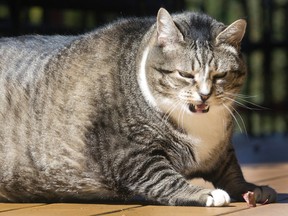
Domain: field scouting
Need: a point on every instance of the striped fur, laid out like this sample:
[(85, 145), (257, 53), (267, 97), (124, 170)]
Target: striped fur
[(122, 111)]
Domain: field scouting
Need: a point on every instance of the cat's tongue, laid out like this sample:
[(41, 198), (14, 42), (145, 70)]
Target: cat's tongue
[(200, 108)]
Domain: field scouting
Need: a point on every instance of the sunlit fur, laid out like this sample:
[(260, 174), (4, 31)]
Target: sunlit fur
[(118, 112)]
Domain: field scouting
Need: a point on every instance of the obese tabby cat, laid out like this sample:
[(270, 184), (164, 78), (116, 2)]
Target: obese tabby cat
[(136, 108)]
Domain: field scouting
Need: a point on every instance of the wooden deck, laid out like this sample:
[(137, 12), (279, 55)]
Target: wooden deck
[(274, 175)]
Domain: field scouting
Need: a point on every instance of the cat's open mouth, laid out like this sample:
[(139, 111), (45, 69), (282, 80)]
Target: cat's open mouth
[(200, 108)]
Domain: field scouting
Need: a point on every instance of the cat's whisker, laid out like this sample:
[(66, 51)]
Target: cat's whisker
[(170, 111), (183, 113), (234, 117), (258, 107), (254, 104), (242, 120), (240, 104), (179, 119), (240, 95), (223, 122), (244, 98)]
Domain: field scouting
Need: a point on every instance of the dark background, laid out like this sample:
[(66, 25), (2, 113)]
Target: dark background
[(265, 46)]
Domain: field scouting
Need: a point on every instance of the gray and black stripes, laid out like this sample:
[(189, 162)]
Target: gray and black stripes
[(153, 177), (202, 55)]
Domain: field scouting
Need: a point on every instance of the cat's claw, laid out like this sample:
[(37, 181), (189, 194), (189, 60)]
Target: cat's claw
[(218, 197), (265, 194)]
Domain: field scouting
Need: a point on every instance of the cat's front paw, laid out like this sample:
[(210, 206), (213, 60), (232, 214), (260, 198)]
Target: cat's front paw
[(265, 194), (218, 197)]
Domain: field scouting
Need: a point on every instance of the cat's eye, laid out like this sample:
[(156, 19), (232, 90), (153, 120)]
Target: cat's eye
[(220, 75), (186, 75), (163, 70)]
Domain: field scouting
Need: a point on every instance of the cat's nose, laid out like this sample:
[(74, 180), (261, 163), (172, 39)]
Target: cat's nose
[(205, 97)]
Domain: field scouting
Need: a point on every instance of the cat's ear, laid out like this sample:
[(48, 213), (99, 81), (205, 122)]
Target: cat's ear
[(233, 34), (167, 31)]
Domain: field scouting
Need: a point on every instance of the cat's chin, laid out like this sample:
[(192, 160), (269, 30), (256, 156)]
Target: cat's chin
[(199, 108)]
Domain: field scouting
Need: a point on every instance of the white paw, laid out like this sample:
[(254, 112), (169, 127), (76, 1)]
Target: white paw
[(265, 194), (218, 197)]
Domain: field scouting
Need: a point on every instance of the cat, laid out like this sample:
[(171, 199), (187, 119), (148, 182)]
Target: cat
[(134, 108)]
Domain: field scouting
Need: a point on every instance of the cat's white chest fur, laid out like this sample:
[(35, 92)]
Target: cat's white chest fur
[(205, 130)]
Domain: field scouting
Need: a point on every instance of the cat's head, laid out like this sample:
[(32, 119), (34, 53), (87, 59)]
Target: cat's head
[(193, 62)]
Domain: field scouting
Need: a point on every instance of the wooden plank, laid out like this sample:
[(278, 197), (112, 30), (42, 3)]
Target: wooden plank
[(4, 207), (183, 211), (264, 210), (63, 209), (279, 184), (259, 172)]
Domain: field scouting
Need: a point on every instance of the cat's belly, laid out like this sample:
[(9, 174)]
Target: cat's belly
[(54, 187), (56, 178), (95, 195)]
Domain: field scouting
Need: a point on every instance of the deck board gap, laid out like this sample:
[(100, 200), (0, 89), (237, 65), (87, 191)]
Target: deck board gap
[(116, 211), (15, 209)]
